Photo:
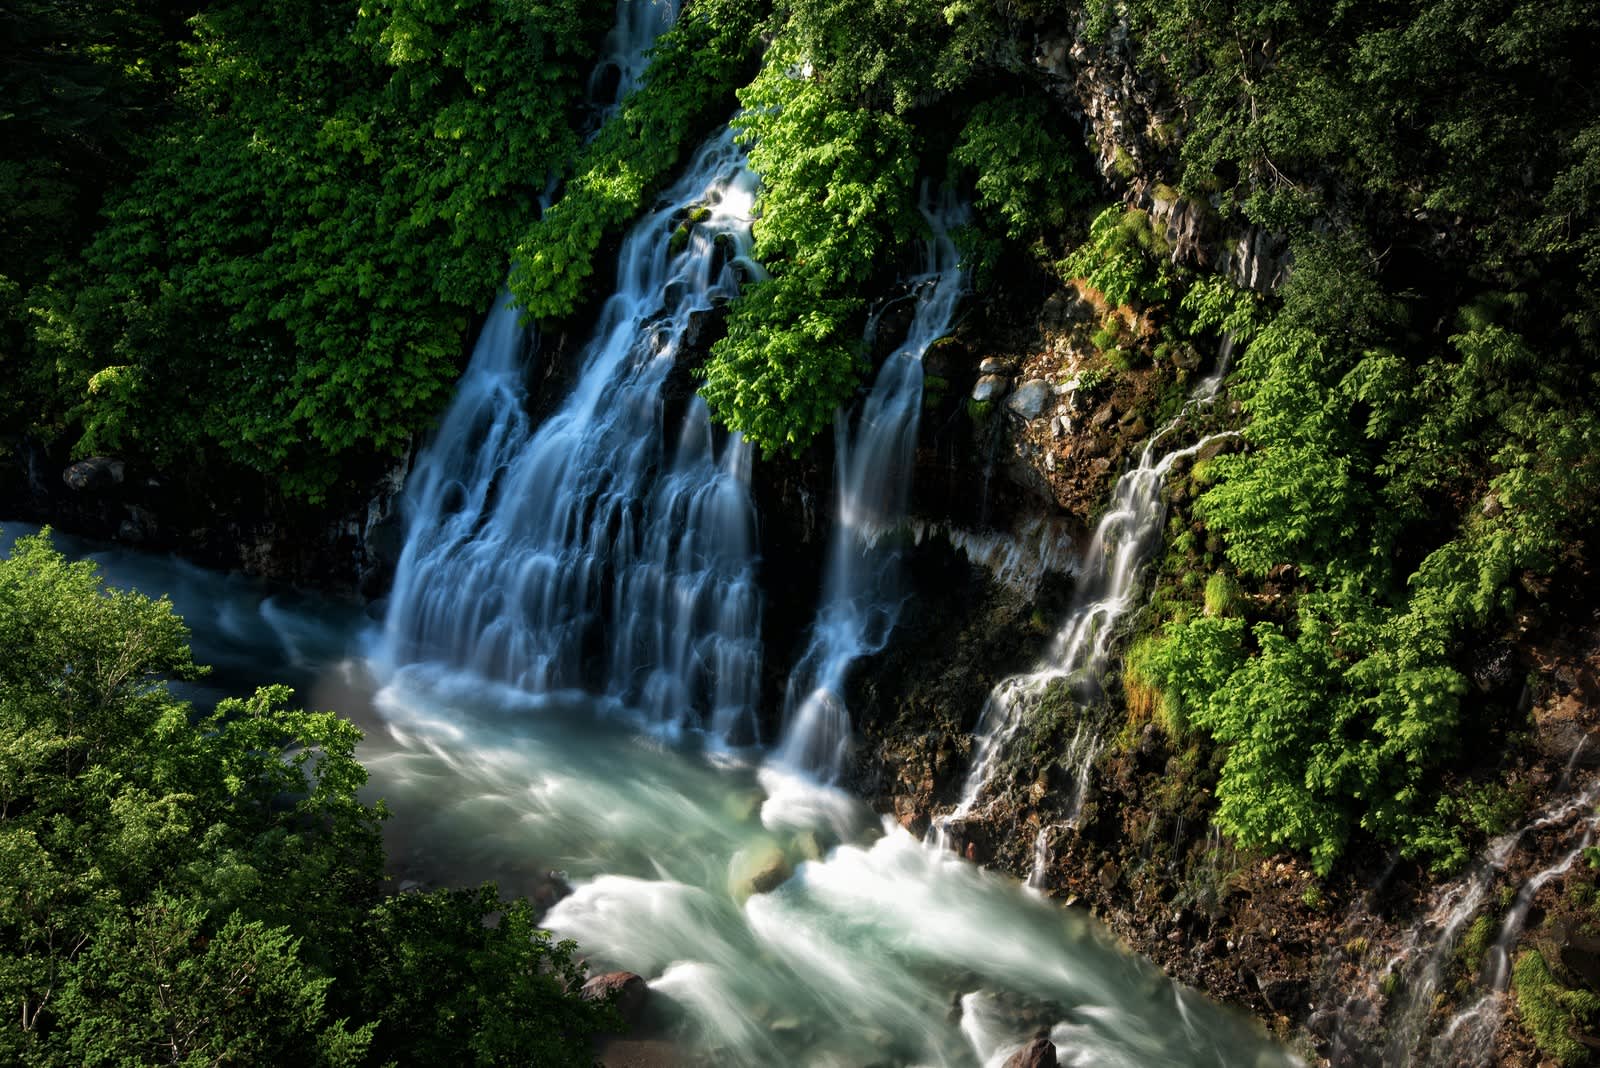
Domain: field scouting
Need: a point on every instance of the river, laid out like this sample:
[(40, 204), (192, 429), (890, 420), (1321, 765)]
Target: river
[(874, 948)]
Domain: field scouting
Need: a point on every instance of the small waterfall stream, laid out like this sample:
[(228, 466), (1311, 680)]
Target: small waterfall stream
[(1417, 972), (1126, 535), (599, 551), (638, 23), (861, 597)]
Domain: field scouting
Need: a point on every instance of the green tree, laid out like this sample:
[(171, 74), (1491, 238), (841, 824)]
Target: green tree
[(202, 889)]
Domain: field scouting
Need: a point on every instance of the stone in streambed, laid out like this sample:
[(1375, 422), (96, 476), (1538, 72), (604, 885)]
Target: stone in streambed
[(757, 869), (1040, 1053), (625, 990), (743, 806), (95, 473)]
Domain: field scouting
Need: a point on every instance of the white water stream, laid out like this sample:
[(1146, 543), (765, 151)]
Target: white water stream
[(600, 551), (1108, 588), (1416, 972), (861, 594)]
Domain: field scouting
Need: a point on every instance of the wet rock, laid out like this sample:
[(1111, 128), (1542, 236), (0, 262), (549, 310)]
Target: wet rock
[(757, 870), (808, 845), (1108, 877), (95, 473), (1580, 955), (1214, 448), (945, 356), (1063, 309), (625, 990), (743, 806), (995, 365), (1040, 1053), (991, 388), (1030, 399), (1495, 668)]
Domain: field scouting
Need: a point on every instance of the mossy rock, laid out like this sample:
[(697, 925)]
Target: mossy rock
[(679, 240)]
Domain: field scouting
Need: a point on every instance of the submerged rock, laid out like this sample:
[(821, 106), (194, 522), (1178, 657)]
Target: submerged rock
[(757, 869)]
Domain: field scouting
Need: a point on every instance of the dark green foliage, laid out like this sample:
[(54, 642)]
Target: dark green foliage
[(895, 54), (1025, 177), (80, 82), (291, 279), (836, 200), (456, 976), (1408, 495), (199, 892)]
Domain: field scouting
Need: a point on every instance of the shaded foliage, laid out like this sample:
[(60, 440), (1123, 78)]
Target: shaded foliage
[(197, 890)]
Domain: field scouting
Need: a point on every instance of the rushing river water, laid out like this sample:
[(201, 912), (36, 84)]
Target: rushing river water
[(877, 949)]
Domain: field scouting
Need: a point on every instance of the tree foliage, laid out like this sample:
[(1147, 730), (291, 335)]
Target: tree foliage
[(836, 199), (205, 889), (291, 278)]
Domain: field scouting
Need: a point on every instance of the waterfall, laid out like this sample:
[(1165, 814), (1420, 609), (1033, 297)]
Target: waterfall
[(861, 597), (638, 23), (1417, 971), (599, 551), (1127, 534)]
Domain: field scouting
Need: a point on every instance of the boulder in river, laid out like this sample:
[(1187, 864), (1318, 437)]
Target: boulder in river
[(626, 990), (757, 869)]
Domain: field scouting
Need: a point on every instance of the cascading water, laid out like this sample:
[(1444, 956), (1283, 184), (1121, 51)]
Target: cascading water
[(638, 23), (1417, 971), (1126, 535), (594, 552), (861, 597)]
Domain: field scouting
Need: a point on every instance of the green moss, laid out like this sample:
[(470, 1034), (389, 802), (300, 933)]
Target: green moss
[(1122, 165), (1475, 943), (679, 240), (1550, 1011), (1222, 595), (980, 412), (1124, 357)]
